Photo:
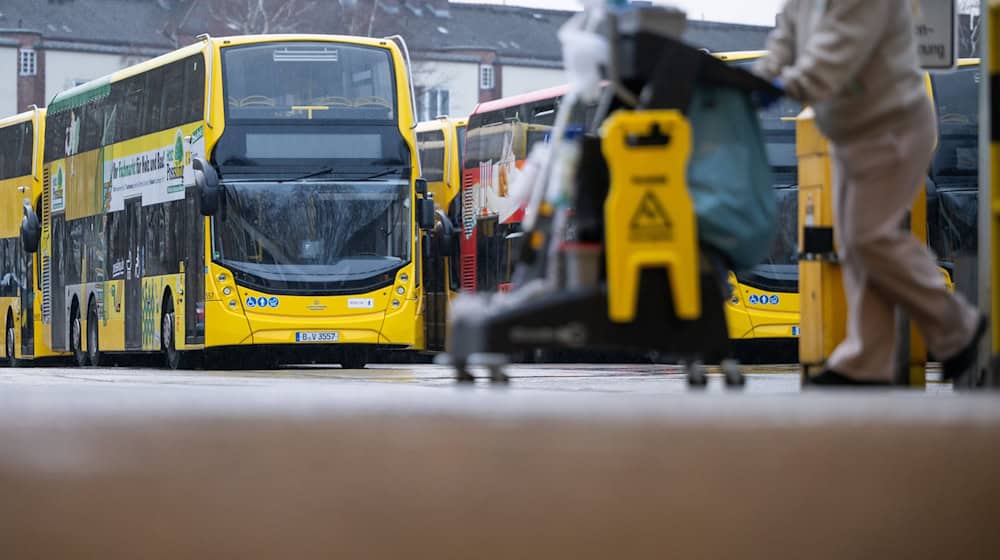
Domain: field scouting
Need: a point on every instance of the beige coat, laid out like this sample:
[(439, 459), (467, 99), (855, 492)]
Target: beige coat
[(854, 61)]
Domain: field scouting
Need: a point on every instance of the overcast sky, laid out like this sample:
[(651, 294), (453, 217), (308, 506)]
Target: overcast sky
[(758, 12)]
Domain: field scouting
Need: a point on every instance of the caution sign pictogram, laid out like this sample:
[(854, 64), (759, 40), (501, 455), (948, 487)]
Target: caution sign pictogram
[(650, 222)]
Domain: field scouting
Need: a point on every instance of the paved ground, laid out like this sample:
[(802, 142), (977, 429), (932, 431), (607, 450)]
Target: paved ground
[(567, 462), (630, 379)]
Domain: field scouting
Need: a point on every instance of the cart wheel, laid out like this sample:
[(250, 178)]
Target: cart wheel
[(497, 375), (462, 374), (734, 377), (696, 376)]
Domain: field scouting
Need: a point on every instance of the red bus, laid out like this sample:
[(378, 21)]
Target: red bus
[(498, 139)]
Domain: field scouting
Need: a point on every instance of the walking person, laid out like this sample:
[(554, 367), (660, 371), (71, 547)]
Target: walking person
[(855, 62)]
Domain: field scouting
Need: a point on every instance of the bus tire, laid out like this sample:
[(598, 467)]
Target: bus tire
[(172, 358), (354, 358), (76, 335), (93, 334), (10, 338)]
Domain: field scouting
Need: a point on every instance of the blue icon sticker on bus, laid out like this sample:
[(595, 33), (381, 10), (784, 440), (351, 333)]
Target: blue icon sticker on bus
[(251, 301), (262, 301), (773, 299), (754, 300), (795, 330), (272, 301)]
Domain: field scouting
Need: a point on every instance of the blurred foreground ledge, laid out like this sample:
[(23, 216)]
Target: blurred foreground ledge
[(398, 472)]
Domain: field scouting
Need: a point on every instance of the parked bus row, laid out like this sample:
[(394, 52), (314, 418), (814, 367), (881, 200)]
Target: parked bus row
[(262, 197), (764, 303)]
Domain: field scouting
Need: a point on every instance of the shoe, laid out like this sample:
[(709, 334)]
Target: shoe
[(831, 378), (957, 365)]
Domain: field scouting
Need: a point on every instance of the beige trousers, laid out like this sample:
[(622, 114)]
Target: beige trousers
[(875, 181)]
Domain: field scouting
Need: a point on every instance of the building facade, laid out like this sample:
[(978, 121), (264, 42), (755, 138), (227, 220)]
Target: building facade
[(462, 54)]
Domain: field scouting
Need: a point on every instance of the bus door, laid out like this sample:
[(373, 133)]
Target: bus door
[(133, 273)]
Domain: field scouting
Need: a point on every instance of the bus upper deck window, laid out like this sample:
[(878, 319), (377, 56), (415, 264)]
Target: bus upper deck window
[(309, 81)]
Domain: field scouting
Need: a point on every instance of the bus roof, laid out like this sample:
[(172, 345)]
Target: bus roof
[(80, 95), (100, 87), (737, 56), (18, 118), (530, 97), (559, 91), (440, 123)]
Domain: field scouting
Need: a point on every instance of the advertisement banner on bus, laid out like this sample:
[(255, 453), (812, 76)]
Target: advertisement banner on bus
[(159, 174)]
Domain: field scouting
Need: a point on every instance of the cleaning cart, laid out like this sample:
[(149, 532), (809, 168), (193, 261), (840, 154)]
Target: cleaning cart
[(633, 219)]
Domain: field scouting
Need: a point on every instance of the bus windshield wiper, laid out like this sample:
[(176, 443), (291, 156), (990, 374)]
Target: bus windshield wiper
[(318, 172), (382, 173)]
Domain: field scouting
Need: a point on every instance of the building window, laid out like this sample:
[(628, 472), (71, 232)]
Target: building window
[(487, 77), (28, 62), (434, 103)]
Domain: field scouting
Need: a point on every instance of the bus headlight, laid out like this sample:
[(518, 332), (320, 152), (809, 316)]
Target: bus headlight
[(226, 291), (404, 277), (222, 278), (395, 303), (232, 304), (400, 290)]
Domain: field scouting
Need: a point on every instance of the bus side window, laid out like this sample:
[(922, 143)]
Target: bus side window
[(7, 149), (430, 144), (25, 152), (91, 127), (543, 112), (194, 88), (133, 92), (152, 119), (55, 136), (173, 95)]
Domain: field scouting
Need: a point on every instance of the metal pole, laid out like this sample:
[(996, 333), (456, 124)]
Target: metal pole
[(901, 369), (987, 43)]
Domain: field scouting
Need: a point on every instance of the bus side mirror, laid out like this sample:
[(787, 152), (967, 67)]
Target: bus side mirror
[(206, 180), (31, 229), (425, 213), (420, 185)]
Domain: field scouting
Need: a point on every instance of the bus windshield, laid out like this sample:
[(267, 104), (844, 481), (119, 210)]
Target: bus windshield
[(308, 232), (308, 81), (779, 271)]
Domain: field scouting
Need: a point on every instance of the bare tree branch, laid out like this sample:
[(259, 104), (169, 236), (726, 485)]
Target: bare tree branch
[(261, 16)]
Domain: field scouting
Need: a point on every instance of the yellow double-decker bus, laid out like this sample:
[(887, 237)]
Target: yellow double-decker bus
[(251, 196), (20, 185), (440, 142)]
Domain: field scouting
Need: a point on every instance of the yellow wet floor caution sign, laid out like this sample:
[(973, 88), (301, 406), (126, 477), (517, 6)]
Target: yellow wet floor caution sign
[(649, 216), (650, 222)]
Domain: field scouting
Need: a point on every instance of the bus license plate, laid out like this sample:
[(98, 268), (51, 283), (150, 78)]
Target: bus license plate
[(326, 336)]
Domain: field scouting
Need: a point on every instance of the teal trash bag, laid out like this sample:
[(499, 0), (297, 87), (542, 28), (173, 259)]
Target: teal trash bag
[(729, 177)]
